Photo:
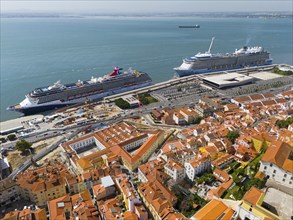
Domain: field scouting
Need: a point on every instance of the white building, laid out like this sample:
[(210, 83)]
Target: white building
[(197, 166), (277, 163), (179, 119), (129, 193), (175, 170), (131, 100), (86, 142), (123, 134)]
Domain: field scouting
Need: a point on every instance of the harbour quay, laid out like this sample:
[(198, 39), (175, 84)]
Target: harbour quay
[(215, 80), (17, 124)]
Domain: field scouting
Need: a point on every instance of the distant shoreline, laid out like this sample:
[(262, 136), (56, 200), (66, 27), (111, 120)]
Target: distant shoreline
[(206, 14)]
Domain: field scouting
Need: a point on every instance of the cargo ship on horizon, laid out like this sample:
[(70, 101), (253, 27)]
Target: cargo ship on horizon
[(208, 62), (189, 26), (59, 95)]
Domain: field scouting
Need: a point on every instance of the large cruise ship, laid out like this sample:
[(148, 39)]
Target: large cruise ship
[(59, 95), (208, 62)]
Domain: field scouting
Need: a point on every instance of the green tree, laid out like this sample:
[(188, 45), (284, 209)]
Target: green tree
[(200, 201), (254, 182), (11, 137), (122, 103), (3, 140), (232, 136), (238, 194), (207, 177), (22, 145), (197, 119), (282, 72), (146, 98), (284, 123)]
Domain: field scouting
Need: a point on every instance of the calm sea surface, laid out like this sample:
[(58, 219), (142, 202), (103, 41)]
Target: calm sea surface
[(39, 51)]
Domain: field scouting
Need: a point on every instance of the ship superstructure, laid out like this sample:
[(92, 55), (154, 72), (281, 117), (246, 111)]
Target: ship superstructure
[(209, 62), (59, 95)]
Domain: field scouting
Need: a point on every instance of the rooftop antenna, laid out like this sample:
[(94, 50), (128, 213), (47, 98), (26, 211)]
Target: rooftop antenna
[(209, 51)]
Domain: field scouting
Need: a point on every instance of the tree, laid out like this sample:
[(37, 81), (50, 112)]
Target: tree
[(284, 123), (232, 136), (146, 98), (207, 177), (3, 140), (238, 194), (254, 182), (197, 119), (186, 204), (11, 137), (22, 145), (122, 104)]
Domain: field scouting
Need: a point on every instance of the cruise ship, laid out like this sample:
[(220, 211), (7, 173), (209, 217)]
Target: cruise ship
[(208, 62), (59, 95)]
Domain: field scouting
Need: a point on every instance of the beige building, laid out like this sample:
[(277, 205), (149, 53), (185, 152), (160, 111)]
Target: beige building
[(129, 193), (78, 206), (207, 106), (32, 212), (9, 191), (188, 114), (104, 190), (159, 201), (43, 184), (142, 154)]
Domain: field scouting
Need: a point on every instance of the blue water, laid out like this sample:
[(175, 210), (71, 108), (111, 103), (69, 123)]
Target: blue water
[(39, 51)]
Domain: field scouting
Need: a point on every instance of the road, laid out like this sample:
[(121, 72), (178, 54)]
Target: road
[(48, 149)]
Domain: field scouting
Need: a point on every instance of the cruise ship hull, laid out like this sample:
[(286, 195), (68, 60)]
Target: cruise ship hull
[(31, 105), (182, 72), (36, 109)]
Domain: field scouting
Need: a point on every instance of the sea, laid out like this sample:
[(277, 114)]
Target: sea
[(37, 52)]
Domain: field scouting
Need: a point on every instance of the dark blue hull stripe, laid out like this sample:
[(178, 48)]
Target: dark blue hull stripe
[(192, 72)]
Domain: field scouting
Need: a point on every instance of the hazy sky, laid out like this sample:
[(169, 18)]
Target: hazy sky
[(146, 6)]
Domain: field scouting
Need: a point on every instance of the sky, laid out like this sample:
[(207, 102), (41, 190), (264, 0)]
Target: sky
[(145, 6)]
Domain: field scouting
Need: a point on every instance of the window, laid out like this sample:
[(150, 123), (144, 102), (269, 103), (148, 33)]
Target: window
[(290, 182), (283, 180), (271, 164), (274, 171), (285, 175), (265, 167)]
